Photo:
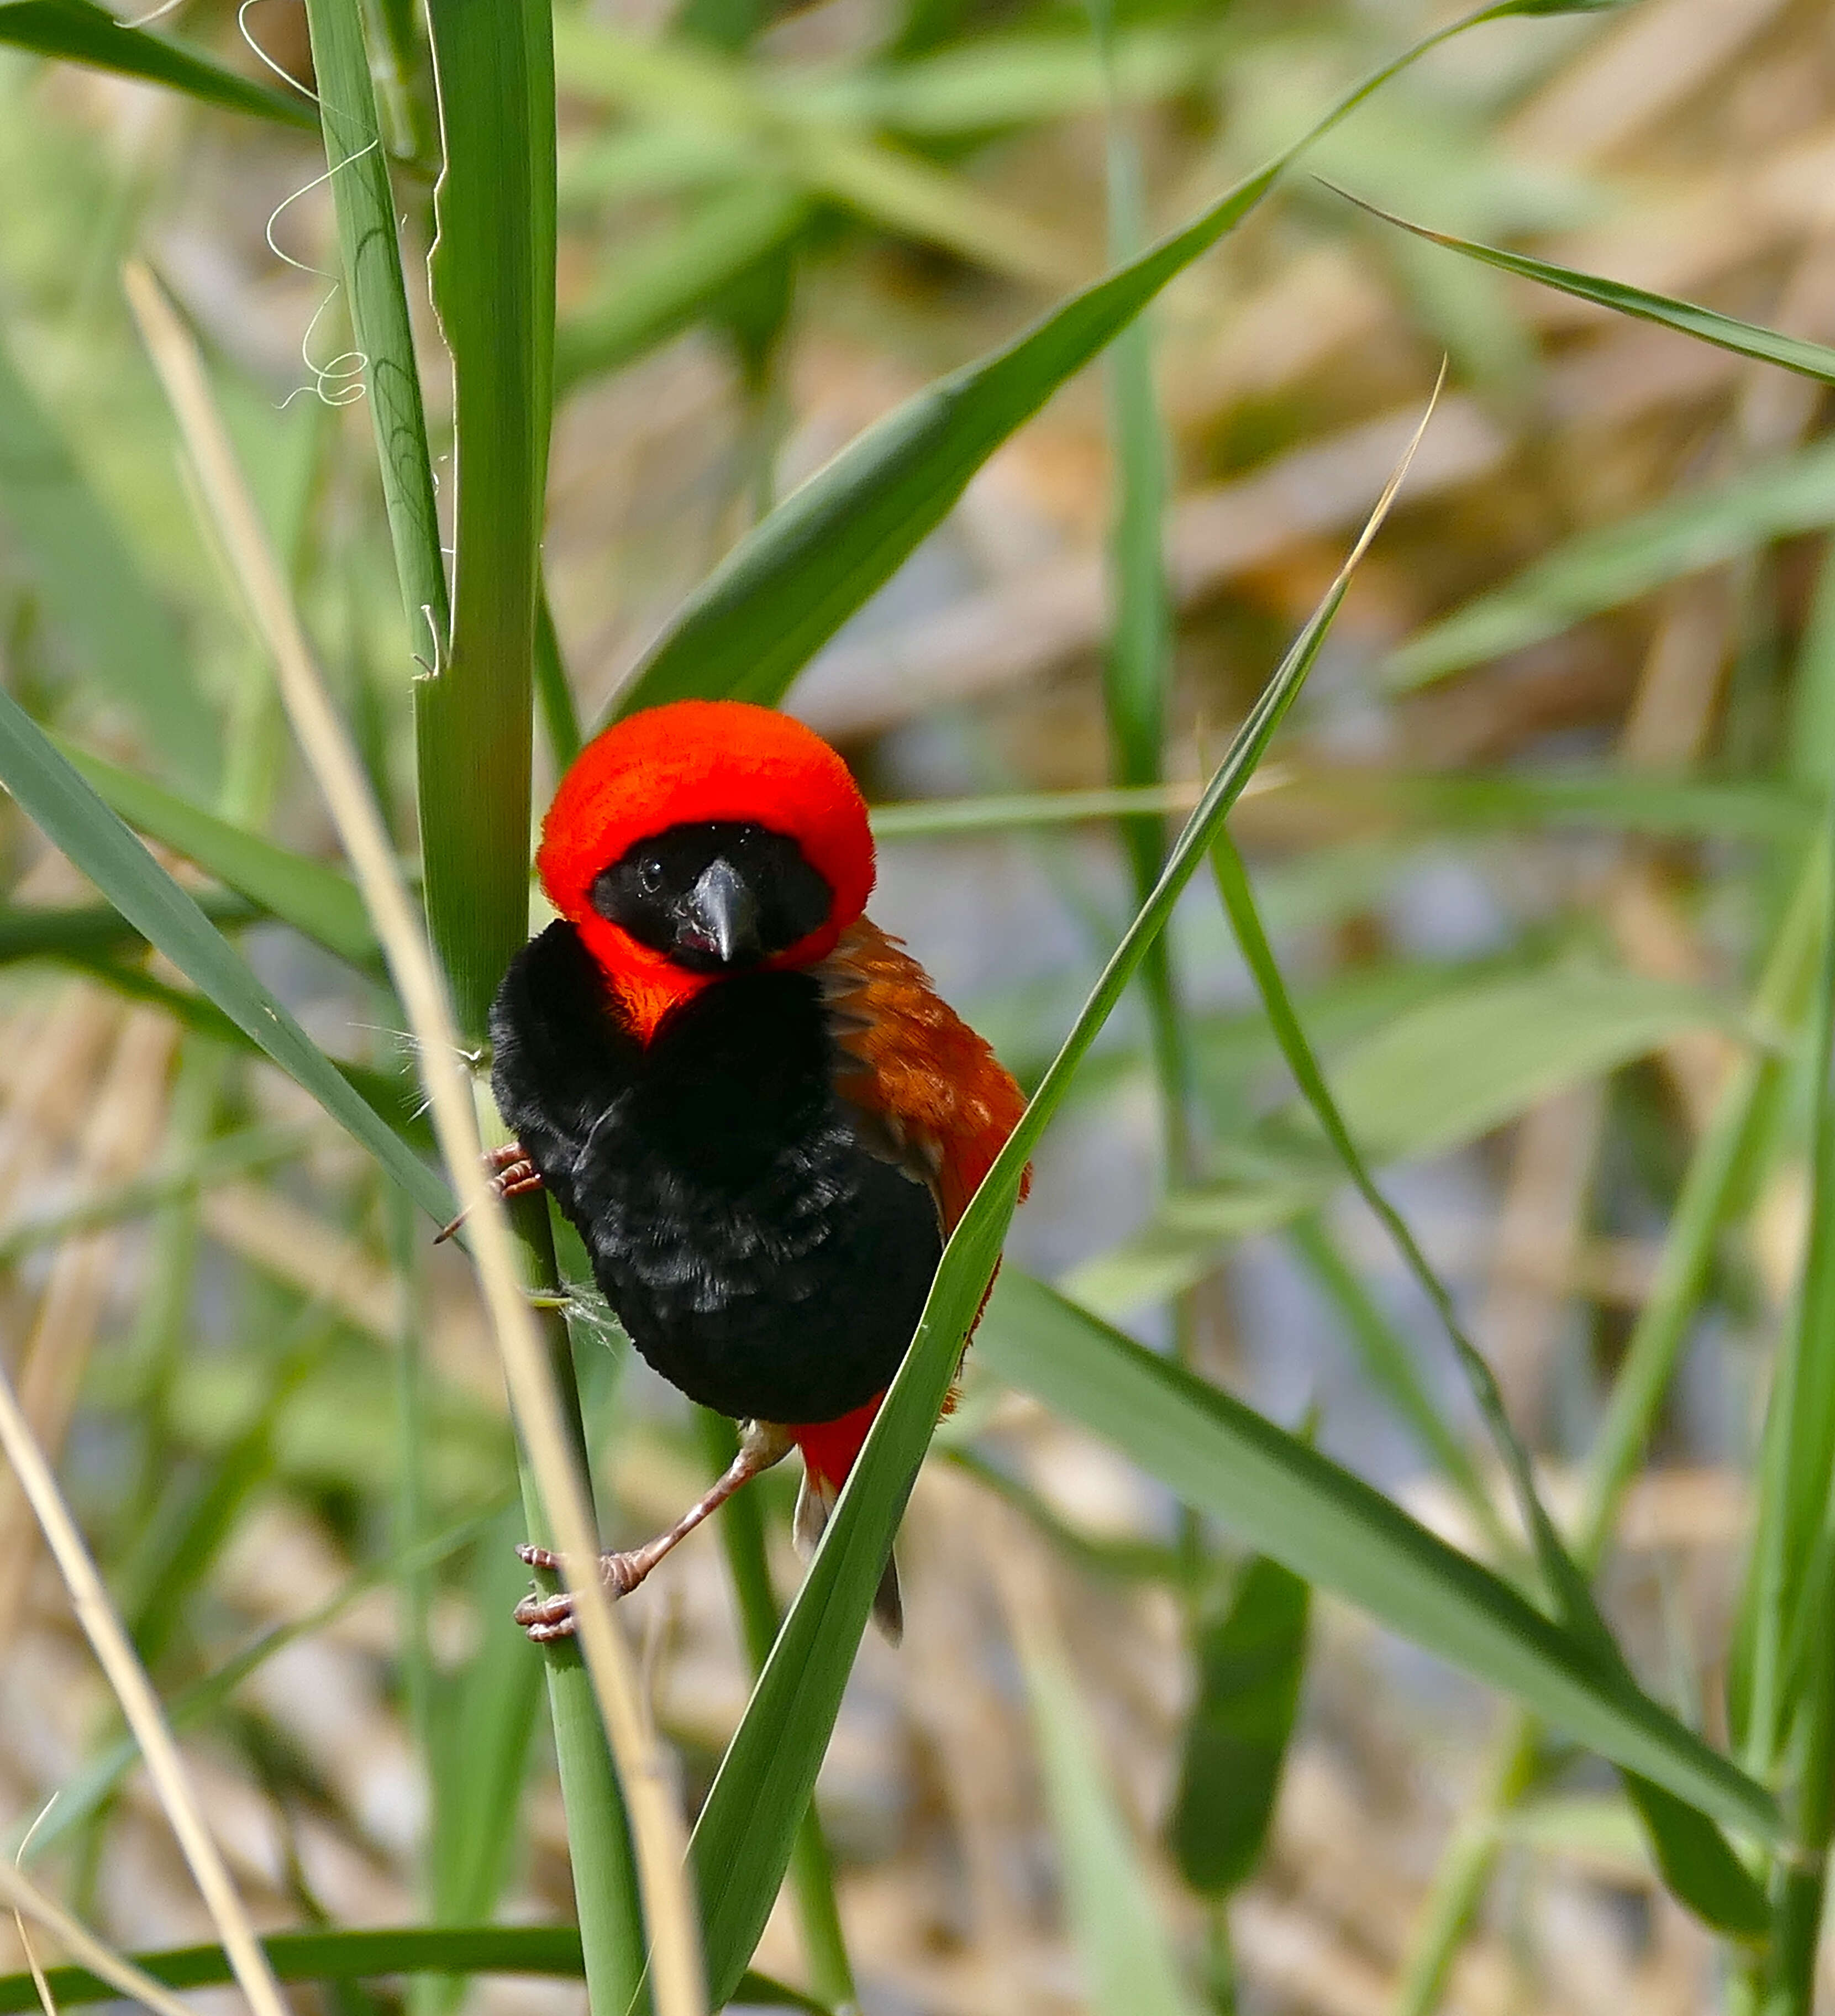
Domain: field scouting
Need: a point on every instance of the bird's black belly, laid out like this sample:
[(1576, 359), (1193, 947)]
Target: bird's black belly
[(760, 1257)]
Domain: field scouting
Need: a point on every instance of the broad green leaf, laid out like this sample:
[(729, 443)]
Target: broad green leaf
[(1336, 1532), (1251, 1658), (1696, 1863), (78, 32), (92, 590), (75, 820), (1128, 1960), (1767, 346), (1600, 570), (787, 587), (1439, 1075), (493, 280), (368, 1955), (317, 901)]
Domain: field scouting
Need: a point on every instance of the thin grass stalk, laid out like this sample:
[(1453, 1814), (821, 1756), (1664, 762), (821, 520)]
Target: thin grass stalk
[(541, 1412), (140, 1705), (21, 1894), (811, 1870)]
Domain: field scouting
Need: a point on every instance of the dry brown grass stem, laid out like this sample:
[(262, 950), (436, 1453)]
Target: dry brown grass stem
[(24, 1897), (140, 1705), (656, 1825)]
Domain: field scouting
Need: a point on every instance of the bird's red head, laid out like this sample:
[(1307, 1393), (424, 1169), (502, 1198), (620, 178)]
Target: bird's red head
[(681, 846)]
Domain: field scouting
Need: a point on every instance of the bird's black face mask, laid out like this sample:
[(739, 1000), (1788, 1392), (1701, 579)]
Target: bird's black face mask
[(714, 896)]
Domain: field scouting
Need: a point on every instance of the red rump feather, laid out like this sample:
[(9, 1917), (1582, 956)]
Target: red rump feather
[(692, 761)]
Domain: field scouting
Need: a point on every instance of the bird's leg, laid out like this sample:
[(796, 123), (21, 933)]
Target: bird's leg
[(512, 1173), (761, 1444)]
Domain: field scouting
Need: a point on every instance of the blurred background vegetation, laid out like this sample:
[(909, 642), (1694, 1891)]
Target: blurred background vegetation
[(1526, 850)]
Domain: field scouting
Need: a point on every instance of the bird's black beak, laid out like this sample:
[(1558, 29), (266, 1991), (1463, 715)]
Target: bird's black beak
[(720, 915)]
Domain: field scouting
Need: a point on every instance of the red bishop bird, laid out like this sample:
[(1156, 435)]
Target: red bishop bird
[(747, 1098)]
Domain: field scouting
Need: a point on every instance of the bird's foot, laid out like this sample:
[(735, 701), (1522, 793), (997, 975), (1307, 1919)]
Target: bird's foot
[(512, 1173), (547, 1618)]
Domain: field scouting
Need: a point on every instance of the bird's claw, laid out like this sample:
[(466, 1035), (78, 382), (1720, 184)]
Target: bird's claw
[(549, 1618)]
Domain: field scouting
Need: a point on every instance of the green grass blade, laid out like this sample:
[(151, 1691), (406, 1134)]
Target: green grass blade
[(552, 1950), (1598, 571), (742, 1840), (92, 588), (1251, 1658), (76, 31), (493, 274), (1745, 338), (317, 901), (371, 256), (1128, 1960), (1336, 1532), (811, 1870), (786, 587), (494, 282), (75, 820)]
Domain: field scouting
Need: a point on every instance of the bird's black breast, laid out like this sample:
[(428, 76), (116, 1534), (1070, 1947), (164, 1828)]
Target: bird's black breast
[(762, 1257)]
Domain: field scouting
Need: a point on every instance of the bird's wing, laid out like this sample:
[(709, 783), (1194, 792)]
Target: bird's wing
[(935, 1093)]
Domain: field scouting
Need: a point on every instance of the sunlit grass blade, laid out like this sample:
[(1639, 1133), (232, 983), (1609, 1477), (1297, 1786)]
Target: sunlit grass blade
[(317, 901), (75, 820), (1251, 1658), (1598, 571), (1287, 1501), (550, 1950), (786, 589), (79, 32), (95, 594), (1746, 339), (742, 1840)]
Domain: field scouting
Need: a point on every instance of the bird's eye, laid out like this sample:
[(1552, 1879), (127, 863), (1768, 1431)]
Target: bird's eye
[(650, 874)]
